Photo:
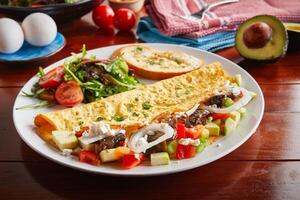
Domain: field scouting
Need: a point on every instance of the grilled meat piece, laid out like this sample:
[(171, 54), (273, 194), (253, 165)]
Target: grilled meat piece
[(200, 116), (217, 100), (93, 71), (110, 142)]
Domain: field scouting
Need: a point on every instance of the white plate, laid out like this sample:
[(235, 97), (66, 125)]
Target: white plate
[(23, 120)]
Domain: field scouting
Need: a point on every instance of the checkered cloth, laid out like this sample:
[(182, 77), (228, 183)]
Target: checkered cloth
[(147, 32), (173, 17)]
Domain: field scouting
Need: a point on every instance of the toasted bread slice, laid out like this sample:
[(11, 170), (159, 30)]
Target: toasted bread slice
[(154, 64)]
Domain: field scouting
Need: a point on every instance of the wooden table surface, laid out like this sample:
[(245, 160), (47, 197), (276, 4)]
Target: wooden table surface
[(267, 166)]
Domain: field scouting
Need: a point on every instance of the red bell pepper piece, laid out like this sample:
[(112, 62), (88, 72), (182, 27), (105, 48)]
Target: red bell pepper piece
[(89, 157), (220, 115), (81, 131), (132, 160), (185, 151), (180, 127)]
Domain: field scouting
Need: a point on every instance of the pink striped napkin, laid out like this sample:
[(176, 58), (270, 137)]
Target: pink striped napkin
[(173, 17)]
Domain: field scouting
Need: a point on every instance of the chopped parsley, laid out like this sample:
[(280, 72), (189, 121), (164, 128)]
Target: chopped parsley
[(118, 118), (177, 87), (129, 107), (161, 61), (145, 115), (178, 61), (135, 114), (177, 95), (99, 119), (146, 106), (187, 92), (136, 99), (151, 62), (80, 123), (139, 49)]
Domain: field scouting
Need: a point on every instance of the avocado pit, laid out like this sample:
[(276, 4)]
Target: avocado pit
[(257, 35)]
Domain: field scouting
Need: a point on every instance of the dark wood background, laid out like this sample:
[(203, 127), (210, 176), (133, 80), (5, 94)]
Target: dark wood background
[(267, 166)]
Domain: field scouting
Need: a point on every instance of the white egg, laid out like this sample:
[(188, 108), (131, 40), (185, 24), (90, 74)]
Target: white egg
[(39, 29), (11, 36)]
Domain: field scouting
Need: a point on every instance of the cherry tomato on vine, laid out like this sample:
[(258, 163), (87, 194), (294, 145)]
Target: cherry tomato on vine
[(124, 19), (103, 16)]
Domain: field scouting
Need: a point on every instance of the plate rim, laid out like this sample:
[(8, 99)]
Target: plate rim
[(134, 174)]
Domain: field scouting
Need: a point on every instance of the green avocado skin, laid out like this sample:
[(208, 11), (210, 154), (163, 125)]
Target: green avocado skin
[(253, 56)]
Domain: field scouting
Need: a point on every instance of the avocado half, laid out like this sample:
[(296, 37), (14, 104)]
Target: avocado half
[(263, 37)]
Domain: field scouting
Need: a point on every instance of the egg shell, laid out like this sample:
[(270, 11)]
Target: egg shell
[(39, 29), (11, 36)]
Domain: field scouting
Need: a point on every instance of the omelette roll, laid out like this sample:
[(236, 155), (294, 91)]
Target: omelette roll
[(134, 109)]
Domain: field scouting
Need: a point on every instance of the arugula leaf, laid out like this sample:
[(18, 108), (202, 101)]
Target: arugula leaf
[(81, 75), (41, 104), (118, 68), (35, 94), (41, 72)]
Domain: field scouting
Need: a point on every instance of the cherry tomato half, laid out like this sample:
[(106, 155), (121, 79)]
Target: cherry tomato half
[(124, 19), (53, 78), (103, 16), (69, 93), (89, 157)]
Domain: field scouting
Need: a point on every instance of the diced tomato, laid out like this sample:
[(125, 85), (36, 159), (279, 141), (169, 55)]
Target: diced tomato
[(69, 93), (220, 115), (81, 131), (180, 127), (194, 132), (53, 78), (89, 157), (132, 160), (185, 151), (235, 99), (240, 96)]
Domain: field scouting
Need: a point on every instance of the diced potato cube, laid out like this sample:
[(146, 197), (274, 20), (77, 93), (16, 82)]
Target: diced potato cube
[(109, 155), (64, 139)]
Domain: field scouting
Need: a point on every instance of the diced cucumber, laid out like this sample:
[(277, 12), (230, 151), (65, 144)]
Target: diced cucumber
[(238, 79), (85, 146), (214, 129), (161, 158), (230, 125), (205, 133), (228, 102), (236, 116), (109, 155), (171, 147), (64, 139), (242, 111), (218, 122), (202, 145)]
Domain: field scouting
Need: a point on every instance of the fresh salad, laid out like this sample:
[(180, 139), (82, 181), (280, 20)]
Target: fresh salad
[(81, 79), (177, 136)]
